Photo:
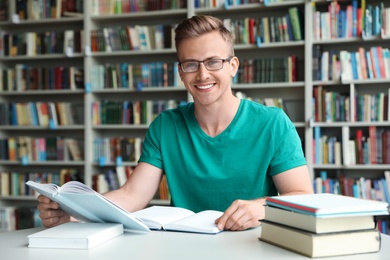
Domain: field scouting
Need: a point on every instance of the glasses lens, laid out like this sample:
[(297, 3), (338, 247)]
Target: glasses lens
[(190, 66), (213, 64)]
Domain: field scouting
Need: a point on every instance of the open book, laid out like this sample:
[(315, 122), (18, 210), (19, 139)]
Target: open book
[(85, 204), (179, 219)]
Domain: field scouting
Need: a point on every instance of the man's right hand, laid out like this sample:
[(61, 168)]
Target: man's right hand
[(50, 212)]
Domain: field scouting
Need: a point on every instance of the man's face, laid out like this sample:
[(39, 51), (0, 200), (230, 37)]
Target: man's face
[(204, 85)]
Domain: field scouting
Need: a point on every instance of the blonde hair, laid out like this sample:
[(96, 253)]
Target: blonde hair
[(199, 25)]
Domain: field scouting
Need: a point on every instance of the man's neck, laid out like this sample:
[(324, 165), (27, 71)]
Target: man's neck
[(215, 118)]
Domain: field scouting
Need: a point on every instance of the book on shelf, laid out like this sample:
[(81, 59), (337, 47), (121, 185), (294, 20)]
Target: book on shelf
[(85, 204), (296, 23), (328, 205), (35, 10), (321, 245), (3, 11), (74, 147), (318, 224), (179, 219), (72, 14), (136, 37), (75, 235), (18, 217), (163, 190)]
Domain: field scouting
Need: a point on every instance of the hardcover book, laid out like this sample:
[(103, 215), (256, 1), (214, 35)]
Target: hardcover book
[(318, 224), (321, 245), (329, 205), (75, 235)]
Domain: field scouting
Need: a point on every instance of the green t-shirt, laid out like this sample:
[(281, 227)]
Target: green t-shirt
[(206, 172)]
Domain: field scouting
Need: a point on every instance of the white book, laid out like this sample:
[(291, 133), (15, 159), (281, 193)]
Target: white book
[(159, 36), (137, 148), (102, 184), (387, 178), (20, 81), (325, 21), (31, 39), (352, 149), (121, 173), (85, 204), (69, 42), (53, 120), (75, 235), (133, 35), (337, 153), (329, 205), (345, 146), (317, 25), (358, 65), (107, 40), (346, 73), (386, 57)]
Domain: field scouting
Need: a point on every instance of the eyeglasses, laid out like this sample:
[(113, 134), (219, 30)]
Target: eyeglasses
[(211, 64)]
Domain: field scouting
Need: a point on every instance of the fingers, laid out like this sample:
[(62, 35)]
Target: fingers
[(53, 217), (222, 222), (46, 203), (241, 215), (43, 199), (50, 213)]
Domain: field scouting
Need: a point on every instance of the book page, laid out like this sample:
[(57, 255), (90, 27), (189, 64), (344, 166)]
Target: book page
[(47, 189), (98, 208), (76, 187), (52, 191), (202, 222), (157, 216)]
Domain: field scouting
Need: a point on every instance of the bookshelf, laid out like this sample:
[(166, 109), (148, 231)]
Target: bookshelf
[(112, 79), (37, 72), (359, 132), (137, 92)]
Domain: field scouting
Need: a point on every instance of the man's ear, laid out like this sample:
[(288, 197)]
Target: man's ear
[(180, 71), (234, 65)]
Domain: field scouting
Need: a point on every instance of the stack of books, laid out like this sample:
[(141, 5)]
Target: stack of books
[(322, 225)]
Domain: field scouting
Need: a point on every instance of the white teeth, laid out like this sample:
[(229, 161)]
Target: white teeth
[(205, 86)]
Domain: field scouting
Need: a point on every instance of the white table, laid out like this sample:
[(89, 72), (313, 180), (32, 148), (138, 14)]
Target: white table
[(166, 245)]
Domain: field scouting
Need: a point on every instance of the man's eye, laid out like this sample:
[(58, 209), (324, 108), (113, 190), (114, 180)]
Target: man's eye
[(212, 62), (191, 65)]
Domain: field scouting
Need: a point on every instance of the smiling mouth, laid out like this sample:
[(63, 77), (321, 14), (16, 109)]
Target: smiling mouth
[(205, 86)]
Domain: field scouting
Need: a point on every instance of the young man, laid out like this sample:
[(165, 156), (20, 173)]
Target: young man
[(218, 152)]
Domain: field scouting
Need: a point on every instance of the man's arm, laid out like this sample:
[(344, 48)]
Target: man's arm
[(294, 181), (244, 214), (134, 195), (139, 189)]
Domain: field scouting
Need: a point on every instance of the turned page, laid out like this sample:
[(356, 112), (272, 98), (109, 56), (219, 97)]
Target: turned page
[(201, 222), (155, 217), (178, 219)]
